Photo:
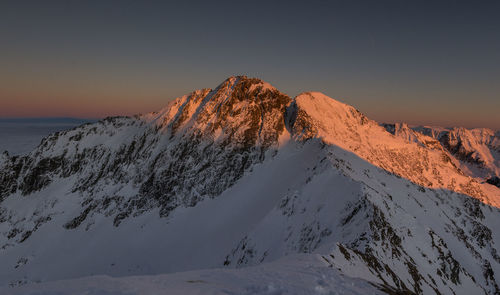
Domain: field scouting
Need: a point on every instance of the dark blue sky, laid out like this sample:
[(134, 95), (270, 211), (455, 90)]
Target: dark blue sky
[(423, 62)]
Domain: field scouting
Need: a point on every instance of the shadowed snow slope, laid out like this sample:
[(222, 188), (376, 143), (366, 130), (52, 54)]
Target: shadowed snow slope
[(292, 275), (244, 175)]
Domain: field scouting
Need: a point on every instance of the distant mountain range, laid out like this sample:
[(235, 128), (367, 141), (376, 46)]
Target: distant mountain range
[(477, 151), (22, 135), (54, 120), (315, 195)]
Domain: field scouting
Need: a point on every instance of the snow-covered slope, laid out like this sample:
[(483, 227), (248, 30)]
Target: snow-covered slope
[(297, 274), (475, 151), (243, 175), (424, 162)]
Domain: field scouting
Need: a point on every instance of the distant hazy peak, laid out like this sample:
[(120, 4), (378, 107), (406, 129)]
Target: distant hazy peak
[(477, 149)]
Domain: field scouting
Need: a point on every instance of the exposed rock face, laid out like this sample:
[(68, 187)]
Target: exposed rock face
[(248, 175), (494, 181)]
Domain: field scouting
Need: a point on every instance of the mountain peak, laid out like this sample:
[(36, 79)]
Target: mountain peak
[(241, 110), (320, 105), (244, 80), (318, 115)]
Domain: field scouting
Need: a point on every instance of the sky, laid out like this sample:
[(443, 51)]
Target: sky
[(420, 62)]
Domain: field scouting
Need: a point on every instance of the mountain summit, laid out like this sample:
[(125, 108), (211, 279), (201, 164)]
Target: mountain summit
[(245, 175)]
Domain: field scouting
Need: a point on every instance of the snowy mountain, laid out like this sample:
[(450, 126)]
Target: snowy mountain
[(245, 178), (477, 151)]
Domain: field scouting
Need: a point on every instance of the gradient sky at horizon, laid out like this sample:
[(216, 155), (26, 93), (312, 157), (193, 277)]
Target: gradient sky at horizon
[(421, 62)]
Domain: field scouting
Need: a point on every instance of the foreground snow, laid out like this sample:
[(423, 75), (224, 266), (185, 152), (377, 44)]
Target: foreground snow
[(298, 274)]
